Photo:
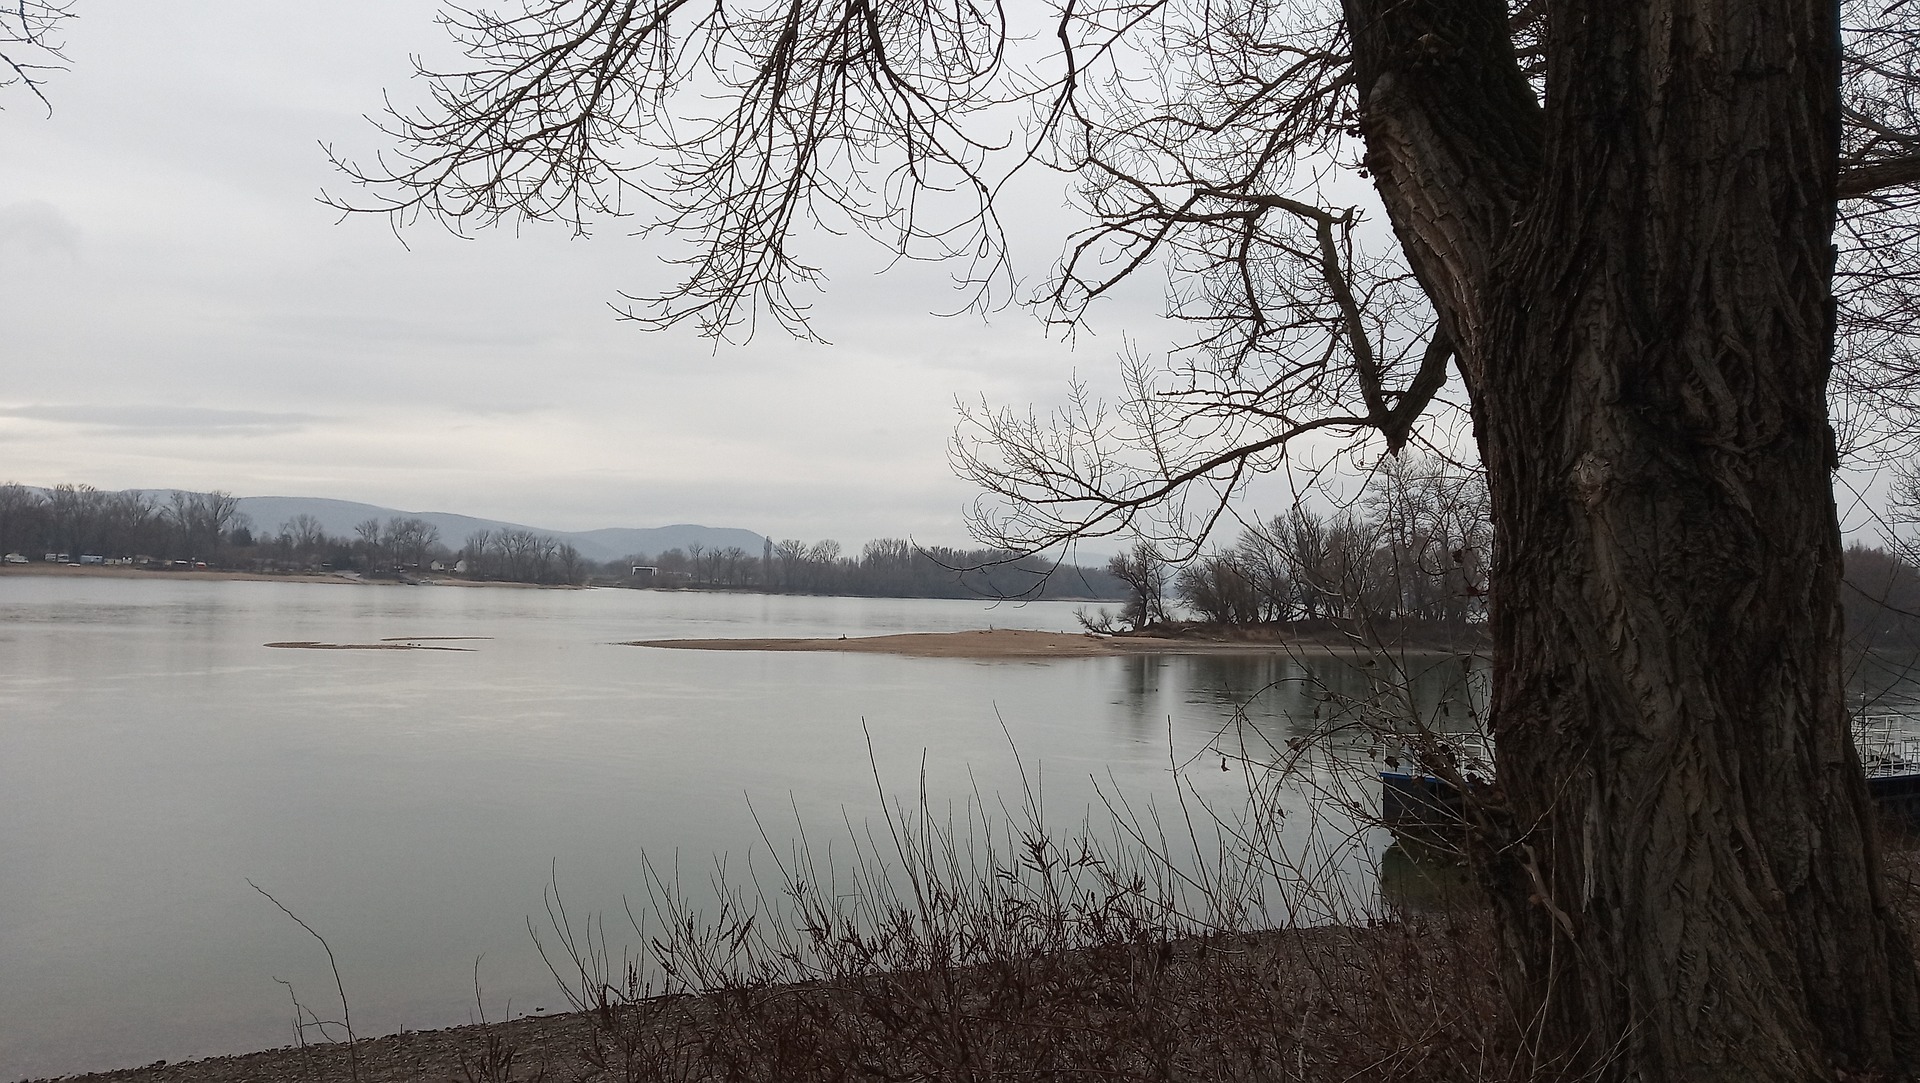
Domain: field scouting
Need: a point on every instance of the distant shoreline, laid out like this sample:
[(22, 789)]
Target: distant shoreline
[(1018, 643), (115, 571), (102, 571)]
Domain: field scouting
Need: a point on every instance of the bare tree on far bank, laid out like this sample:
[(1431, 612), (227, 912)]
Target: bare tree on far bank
[(1412, 557), (1144, 570)]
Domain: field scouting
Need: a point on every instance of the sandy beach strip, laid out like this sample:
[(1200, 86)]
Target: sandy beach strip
[(1017, 643)]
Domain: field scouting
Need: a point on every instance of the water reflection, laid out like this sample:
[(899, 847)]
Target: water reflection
[(1352, 704), (1885, 684), (1421, 879), (1142, 709)]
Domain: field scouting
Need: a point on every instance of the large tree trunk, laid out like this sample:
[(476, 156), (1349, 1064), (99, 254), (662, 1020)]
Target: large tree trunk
[(1638, 281)]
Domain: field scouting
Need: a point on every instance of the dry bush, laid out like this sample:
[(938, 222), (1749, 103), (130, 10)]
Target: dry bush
[(989, 949)]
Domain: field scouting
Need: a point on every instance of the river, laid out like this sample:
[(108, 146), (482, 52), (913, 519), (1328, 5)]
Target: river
[(416, 806)]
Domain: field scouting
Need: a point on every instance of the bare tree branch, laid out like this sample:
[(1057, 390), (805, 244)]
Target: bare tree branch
[(30, 45), (738, 128), (1877, 176)]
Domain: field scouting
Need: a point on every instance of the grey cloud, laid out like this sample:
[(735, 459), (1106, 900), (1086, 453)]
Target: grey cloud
[(476, 408), (334, 324), (171, 420), (38, 227)]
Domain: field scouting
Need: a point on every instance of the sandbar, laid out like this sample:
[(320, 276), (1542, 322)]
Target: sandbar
[(1017, 643), (384, 645)]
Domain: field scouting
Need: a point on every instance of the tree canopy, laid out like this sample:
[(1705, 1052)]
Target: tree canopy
[(1219, 145)]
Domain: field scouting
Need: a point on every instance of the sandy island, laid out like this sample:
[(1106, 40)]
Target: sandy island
[(383, 645), (1015, 643)]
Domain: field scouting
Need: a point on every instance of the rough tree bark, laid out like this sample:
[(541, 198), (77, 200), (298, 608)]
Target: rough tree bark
[(1637, 279)]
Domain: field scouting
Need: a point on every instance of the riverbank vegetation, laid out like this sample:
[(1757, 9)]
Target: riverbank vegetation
[(1413, 550), (1408, 562), (884, 567), (75, 521)]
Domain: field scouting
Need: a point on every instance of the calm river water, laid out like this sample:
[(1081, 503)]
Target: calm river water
[(413, 806)]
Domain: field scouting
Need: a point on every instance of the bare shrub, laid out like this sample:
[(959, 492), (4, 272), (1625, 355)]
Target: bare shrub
[(977, 945)]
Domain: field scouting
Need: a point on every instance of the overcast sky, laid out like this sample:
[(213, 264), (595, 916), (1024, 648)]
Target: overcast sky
[(180, 311)]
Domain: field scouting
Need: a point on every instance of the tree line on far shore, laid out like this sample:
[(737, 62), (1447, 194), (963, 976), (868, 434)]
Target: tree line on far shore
[(77, 520), (1413, 550), (79, 523), (884, 567)]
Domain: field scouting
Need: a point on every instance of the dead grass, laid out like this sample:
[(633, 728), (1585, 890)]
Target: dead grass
[(1401, 1001), (977, 946), (1404, 1001)]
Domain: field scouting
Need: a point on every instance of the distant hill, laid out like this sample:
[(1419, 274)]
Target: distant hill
[(338, 517)]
